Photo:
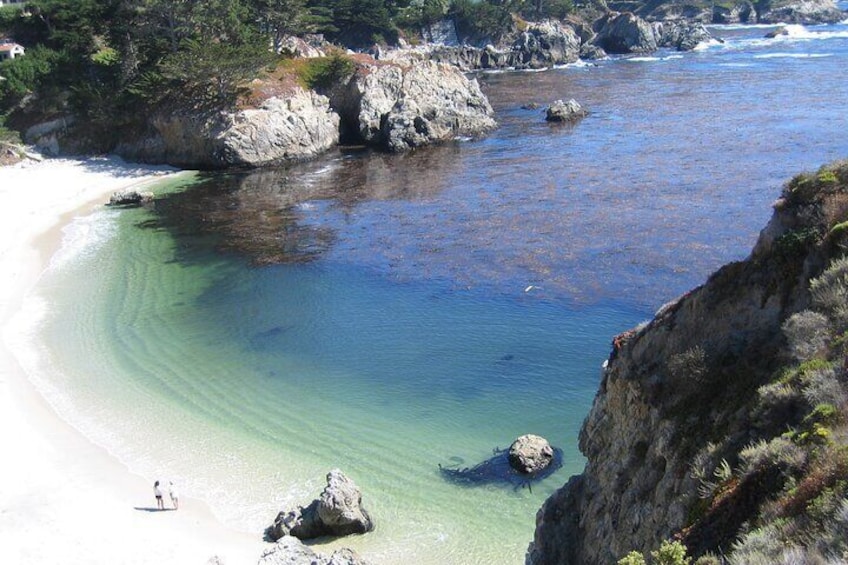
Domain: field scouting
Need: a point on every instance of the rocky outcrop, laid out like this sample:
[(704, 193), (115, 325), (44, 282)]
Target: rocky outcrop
[(337, 512), (543, 44), (561, 111), (130, 198), (683, 388), (291, 551), (530, 454), (281, 130), (801, 12), (627, 33), (400, 108), (740, 13)]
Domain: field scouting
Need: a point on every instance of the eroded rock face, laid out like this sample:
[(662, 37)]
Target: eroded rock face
[(291, 551), (400, 108), (651, 419), (530, 454), (281, 130), (130, 198), (337, 512)]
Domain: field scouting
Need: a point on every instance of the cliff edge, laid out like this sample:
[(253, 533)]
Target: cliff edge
[(720, 422)]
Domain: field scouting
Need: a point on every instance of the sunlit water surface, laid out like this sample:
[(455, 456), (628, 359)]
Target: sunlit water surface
[(387, 314)]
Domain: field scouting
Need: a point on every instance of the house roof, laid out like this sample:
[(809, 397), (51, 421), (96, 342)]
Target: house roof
[(10, 46)]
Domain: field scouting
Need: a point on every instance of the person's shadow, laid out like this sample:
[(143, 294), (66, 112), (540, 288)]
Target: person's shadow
[(152, 509)]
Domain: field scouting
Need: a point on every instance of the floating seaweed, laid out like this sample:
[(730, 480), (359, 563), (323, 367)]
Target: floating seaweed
[(497, 470)]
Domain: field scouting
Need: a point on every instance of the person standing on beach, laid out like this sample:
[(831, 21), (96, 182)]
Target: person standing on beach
[(172, 492), (158, 493)]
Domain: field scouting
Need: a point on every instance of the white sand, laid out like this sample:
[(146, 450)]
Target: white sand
[(63, 499)]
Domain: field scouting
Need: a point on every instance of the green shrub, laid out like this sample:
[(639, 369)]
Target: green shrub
[(691, 364), (778, 452), (807, 333), (830, 293), (632, 558), (671, 553), (325, 72)]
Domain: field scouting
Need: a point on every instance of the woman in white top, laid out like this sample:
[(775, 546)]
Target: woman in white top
[(172, 491)]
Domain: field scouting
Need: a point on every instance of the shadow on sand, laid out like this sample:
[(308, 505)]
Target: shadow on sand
[(152, 509)]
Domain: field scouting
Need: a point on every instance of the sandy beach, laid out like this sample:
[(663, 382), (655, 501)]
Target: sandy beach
[(62, 498)]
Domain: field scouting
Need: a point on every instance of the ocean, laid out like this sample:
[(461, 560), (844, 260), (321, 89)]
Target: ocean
[(388, 314)]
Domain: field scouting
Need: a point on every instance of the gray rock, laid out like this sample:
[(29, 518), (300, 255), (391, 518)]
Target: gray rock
[(626, 33), (400, 108), (802, 12), (281, 130), (740, 13), (561, 111), (130, 198), (291, 551), (530, 454), (680, 35), (337, 512)]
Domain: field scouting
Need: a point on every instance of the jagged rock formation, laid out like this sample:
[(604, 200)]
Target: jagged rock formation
[(291, 551), (130, 198), (687, 390), (337, 512), (738, 11), (399, 108), (627, 33)]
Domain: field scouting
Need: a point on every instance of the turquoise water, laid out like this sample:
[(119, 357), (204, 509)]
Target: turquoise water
[(387, 314)]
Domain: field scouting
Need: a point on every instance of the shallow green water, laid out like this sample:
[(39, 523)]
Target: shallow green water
[(246, 385)]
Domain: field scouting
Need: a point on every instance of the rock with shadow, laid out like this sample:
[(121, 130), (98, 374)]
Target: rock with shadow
[(337, 512), (530, 458)]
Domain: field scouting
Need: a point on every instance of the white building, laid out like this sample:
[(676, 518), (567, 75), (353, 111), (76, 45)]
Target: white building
[(7, 2), (10, 51)]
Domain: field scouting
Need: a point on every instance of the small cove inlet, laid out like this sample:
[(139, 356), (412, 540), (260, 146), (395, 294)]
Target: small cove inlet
[(385, 314)]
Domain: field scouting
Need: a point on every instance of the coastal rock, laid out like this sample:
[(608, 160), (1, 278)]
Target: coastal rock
[(683, 388), (291, 551), (802, 12), (281, 130), (530, 454), (541, 45), (681, 36), (626, 33), (130, 198), (739, 13), (400, 108), (561, 111), (337, 512)]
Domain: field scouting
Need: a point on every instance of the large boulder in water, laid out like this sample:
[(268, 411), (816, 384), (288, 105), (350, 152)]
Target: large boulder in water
[(337, 512), (561, 111), (291, 551), (530, 454)]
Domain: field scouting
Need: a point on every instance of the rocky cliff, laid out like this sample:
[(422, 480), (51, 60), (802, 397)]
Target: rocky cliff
[(687, 436)]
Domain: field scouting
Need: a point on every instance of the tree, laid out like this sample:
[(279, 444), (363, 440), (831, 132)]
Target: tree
[(281, 18)]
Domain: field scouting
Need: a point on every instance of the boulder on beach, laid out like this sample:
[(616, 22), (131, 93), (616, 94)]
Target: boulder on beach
[(337, 512), (291, 551), (530, 454), (130, 198), (560, 111)]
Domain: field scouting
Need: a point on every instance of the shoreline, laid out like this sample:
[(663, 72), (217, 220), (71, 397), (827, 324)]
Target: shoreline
[(65, 499)]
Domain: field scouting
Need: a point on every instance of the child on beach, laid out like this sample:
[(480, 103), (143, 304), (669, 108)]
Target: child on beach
[(172, 492), (158, 493)]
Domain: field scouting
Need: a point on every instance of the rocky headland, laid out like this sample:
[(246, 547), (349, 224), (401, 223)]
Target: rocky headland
[(721, 422)]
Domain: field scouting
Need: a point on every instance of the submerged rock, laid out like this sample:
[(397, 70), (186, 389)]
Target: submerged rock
[(337, 512), (561, 111), (530, 454), (498, 469), (291, 551)]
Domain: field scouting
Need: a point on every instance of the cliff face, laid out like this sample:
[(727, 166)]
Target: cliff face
[(684, 390)]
